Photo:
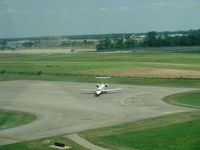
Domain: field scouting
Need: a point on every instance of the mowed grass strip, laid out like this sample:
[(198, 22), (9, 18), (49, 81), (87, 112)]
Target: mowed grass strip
[(176, 82), (143, 68), (146, 56), (10, 119), (183, 136), (42, 144), (186, 99)]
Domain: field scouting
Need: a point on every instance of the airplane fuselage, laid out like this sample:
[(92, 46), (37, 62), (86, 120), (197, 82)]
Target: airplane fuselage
[(100, 89)]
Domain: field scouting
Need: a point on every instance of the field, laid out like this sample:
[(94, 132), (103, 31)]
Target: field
[(146, 68), (10, 119), (186, 99)]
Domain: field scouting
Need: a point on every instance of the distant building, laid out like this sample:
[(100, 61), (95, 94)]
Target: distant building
[(112, 40), (47, 43), (138, 38), (13, 46), (174, 35)]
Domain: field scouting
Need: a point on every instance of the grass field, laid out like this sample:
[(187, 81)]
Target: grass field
[(145, 68), (173, 132), (9, 119), (186, 99), (176, 136)]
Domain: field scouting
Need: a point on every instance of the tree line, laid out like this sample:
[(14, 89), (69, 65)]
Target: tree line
[(152, 39)]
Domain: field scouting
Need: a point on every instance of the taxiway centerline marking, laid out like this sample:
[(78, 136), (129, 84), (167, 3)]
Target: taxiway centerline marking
[(122, 101)]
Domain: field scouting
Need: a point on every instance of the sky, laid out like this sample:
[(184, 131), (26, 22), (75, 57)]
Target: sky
[(33, 18)]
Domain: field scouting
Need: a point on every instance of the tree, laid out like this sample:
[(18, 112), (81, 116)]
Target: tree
[(151, 38), (28, 44), (104, 44), (85, 42), (119, 44), (3, 45), (130, 44)]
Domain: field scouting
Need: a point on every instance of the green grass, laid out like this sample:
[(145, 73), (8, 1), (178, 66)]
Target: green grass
[(83, 67), (172, 132), (189, 51), (161, 57), (184, 136), (42, 144), (177, 82), (186, 99), (9, 119)]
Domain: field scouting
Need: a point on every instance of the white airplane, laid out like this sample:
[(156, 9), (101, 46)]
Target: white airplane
[(101, 89)]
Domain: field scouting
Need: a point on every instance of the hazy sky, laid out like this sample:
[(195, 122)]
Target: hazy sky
[(25, 18)]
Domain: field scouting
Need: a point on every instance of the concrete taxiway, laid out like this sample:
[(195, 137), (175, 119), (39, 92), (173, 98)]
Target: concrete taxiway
[(64, 107)]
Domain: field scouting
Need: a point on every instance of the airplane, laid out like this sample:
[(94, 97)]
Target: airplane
[(101, 89)]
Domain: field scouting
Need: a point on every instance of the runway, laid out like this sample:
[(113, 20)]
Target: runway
[(65, 107)]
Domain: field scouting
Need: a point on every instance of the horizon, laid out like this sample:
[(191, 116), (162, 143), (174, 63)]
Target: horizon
[(34, 18), (99, 34)]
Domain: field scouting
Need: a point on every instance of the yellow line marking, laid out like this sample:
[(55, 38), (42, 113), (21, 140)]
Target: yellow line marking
[(123, 100), (173, 112), (123, 103), (14, 138)]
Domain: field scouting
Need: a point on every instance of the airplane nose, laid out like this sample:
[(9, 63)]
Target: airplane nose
[(98, 92)]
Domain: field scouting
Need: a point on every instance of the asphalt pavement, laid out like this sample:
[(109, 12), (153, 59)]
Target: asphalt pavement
[(64, 107)]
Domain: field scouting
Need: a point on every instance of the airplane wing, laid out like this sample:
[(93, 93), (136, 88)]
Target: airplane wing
[(89, 90), (103, 77), (108, 90)]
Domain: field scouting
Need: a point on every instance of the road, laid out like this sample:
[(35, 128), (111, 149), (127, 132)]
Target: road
[(63, 107)]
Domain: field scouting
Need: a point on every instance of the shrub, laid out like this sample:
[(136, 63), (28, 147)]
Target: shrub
[(2, 72), (39, 72)]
